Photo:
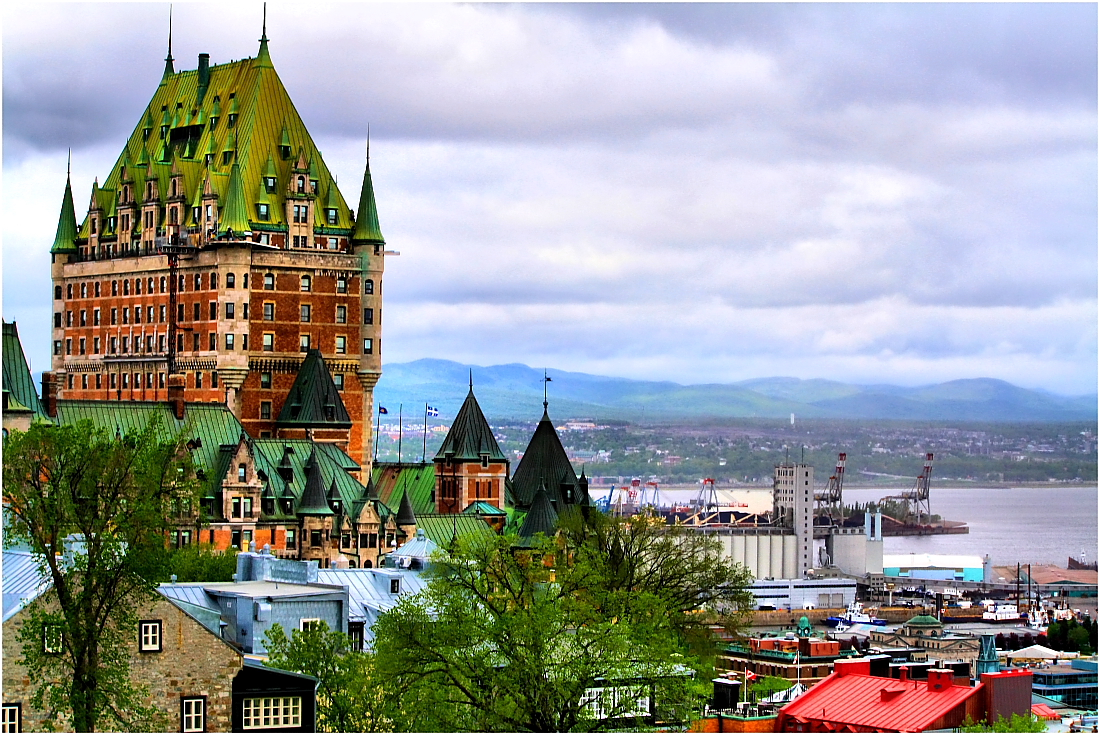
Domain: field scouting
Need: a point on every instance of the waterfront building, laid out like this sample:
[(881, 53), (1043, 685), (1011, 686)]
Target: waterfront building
[(927, 633), (803, 594), (213, 257), (793, 507), (935, 567), (1073, 684), (800, 655)]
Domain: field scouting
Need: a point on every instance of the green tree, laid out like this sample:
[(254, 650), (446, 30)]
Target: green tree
[(201, 563), (769, 685), (350, 697), (95, 508), (552, 637), (1016, 723)]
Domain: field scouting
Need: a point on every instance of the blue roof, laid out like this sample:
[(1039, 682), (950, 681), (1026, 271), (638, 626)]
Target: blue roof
[(369, 592), (23, 580)]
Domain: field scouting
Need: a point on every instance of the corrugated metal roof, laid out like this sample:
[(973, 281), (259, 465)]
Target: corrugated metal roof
[(441, 527), (858, 700), (23, 580), (369, 589)]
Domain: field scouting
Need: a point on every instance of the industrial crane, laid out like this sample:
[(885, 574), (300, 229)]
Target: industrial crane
[(831, 501)]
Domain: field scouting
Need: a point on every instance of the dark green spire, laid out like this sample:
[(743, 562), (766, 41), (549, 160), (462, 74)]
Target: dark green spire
[(405, 515), (314, 502), (64, 240), (263, 58), (169, 70), (313, 400), (470, 436), (366, 219), (542, 518), (545, 461), (234, 215)]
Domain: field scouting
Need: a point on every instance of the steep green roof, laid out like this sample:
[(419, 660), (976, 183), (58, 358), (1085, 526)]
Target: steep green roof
[(314, 502), (283, 467), (923, 620), (470, 436), (542, 518), (442, 527), (64, 240), (313, 400), (405, 516), (366, 218), (18, 383), (391, 481), (234, 213), (266, 120), (545, 461), (481, 508)]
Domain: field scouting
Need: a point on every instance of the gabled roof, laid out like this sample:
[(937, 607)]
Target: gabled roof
[(23, 580), (544, 461), (392, 480), (313, 400), (481, 508), (266, 119), (18, 383), (470, 436), (442, 527)]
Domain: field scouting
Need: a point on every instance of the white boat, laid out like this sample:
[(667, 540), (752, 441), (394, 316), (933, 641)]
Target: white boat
[(1002, 611), (854, 614)]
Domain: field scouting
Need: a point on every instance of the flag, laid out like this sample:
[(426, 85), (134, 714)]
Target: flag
[(547, 379), (749, 676), (432, 411), (382, 409)]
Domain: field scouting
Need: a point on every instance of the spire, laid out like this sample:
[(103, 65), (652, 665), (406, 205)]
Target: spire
[(234, 215), (314, 502), (366, 218), (470, 436), (263, 58), (313, 400), (168, 68), (542, 518), (405, 516), (64, 240)]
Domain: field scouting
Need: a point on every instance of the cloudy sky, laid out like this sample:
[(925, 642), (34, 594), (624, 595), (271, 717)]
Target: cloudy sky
[(699, 193)]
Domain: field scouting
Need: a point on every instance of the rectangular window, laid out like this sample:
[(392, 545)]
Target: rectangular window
[(198, 380), (229, 341), (303, 342), (57, 347), (341, 285), (196, 341), (272, 712), (126, 315), (193, 714), (265, 380), (83, 317), (213, 310), (53, 639), (95, 318), (83, 346), (265, 409), (307, 312), (341, 345), (198, 311), (395, 586), (269, 311), (149, 637), (341, 315), (269, 342), (291, 541), (162, 343), (315, 538), (338, 379), (213, 340), (181, 313), (368, 346), (263, 211), (368, 316), (11, 718), (236, 508), (95, 345), (230, 311), (309, 624), (125, 345)]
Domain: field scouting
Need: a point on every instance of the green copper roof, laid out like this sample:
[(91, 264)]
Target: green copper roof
[(63, 241), (18, 383), (314, 502), (481, 508), (366, 218), (923, 620), (442, 528), (313, 400), (470, 436), (292, 456), (541, 518), (545, 461), (392, 481), (234, 213), (266, 119)]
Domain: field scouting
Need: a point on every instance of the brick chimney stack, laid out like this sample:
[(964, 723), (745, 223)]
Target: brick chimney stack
[(176, 385), (50, 386)]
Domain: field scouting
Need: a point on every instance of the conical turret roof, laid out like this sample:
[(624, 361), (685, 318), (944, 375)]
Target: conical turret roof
[(405, 516), (234, 215), (64, 240), (470, 436), (314, 502), (313, 400), (541, 518), (544, 461), (366, 218)]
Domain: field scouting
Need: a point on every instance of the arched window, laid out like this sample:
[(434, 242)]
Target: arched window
[(163, 283), (368, 286), (173, 187), (114, 288), (126, 287), (137, 286), (301, 185), (57, 292), (150, 288), (69, 291), (246, 280), (307, 283), (198, 281), (83, 290), (230, 280)]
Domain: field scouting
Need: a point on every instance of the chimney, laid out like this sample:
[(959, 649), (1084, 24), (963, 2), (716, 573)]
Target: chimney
[(848, 666), (176, 385), (50, 386), (204, 75), (904, 673), (940, 680)]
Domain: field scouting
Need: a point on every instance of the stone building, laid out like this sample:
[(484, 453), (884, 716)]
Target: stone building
[(213, 258), (469, 466), (198, 681), (793, 500), (927, 633)]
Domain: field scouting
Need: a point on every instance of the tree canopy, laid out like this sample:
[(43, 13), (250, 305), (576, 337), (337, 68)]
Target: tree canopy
[(95, 508), (581, 632)]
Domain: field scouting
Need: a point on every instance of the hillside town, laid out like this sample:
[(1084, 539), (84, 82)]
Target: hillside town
[(216, 342)]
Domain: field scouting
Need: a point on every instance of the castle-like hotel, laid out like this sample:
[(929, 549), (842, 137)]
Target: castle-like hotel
[(220, 282)]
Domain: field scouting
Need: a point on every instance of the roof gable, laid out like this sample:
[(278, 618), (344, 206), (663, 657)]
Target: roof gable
[(18, 382), (544, 462), (313, 400), (470, 437)]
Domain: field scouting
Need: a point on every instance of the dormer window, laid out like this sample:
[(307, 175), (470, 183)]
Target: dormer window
[(208, 159), (232, 121), (330, 215), (313, 185), (263, 211), (269, 184), (227, 156), (149, 190), (284, 152), (484, 459), (301, 184), (242, 473)]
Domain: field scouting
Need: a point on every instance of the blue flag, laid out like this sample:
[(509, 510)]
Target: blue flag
[(433, 411), (382, 409)]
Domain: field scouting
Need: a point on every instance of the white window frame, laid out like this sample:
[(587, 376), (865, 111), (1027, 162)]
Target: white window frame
[(269, 713), (193, 714), (305, 624), (11, 719), (53, 638), (150, 636)]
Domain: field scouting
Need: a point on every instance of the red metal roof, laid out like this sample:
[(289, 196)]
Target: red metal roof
[(874, 702), (1043, 711)]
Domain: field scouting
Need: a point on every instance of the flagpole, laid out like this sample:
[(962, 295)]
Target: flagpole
[(424, 454), (377, 421), (400, 429)]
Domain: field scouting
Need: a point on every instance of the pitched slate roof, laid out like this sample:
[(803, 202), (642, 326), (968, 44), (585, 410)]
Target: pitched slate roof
[(470, 436), (313, 400), (544, 461), (195, 117), (392, 480), (542, 518), (18, 383)]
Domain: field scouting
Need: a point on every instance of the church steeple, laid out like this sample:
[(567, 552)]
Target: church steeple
[(64, 240), (263, 58), (366, 218)]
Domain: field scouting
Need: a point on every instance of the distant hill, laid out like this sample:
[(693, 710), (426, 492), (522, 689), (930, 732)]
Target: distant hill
[(515, 392)]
